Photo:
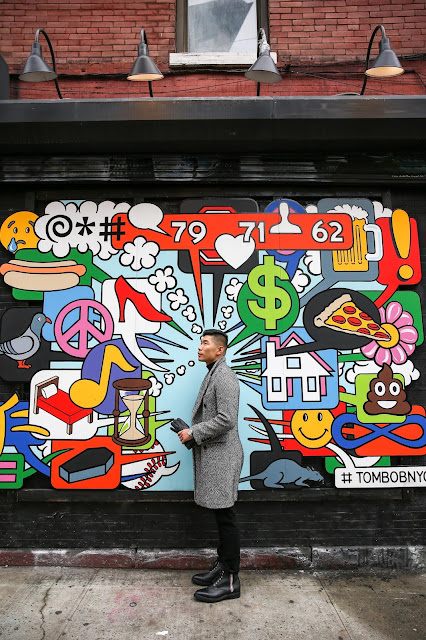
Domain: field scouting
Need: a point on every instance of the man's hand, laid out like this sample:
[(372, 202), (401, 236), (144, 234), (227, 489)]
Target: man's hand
[(184, 436)]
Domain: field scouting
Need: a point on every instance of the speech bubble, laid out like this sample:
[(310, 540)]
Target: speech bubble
[(87, 226), (400, 265), (128, 321), (267, 303), (146, 216), (200, 231), (210, 261)]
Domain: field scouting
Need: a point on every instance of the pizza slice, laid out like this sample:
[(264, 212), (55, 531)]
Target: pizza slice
[(343, 315)]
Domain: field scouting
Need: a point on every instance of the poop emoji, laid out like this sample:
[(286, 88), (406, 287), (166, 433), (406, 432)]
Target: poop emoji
[(386, 395)]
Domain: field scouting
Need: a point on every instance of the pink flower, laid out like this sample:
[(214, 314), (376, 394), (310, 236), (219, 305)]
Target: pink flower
[(399, 324)]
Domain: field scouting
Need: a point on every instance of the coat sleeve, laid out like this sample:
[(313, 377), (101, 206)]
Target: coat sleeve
[(227, 392)]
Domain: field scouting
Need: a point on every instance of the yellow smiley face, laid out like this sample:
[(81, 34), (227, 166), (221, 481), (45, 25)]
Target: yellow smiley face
[(17, 231), (312, 428)]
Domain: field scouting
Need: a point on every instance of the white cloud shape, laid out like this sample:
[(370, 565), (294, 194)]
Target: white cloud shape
[(139, 254), (196, 328), (189, 313), (222, 325), (191, 363), (227, 312), (356, 213), (177, 299), (311, 208), (163, 279), (156, 387), (169, 378), (232, 289), (146, 216), (300, 281), (407, 370), (312, 260), (181, 370), (380, 211), (87, 227)]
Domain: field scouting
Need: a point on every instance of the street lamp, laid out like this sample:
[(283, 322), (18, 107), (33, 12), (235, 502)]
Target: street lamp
[(264, 69), (144, 69), (35, 68), (386, 64)]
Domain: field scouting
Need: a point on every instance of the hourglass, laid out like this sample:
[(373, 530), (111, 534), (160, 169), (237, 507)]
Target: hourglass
[(134, 432)]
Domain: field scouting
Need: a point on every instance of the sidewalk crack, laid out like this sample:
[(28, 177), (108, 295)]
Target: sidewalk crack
[(77, 604), (332, 604)]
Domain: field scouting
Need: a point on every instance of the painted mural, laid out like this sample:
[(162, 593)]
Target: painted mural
[(111, 300)]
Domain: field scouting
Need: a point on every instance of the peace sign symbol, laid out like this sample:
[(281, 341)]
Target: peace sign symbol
[(83, 327)]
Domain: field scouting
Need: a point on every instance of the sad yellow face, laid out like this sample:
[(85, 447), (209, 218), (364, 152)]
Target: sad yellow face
[(312, 428), (17, 231)]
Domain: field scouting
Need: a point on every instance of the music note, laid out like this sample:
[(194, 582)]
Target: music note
[(88, 393)]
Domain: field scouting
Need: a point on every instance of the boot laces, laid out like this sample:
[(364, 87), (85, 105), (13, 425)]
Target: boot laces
[(219, 578)]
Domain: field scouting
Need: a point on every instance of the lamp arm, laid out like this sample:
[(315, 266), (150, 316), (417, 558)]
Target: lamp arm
[(52, 56), (262, 42), (370, 44)]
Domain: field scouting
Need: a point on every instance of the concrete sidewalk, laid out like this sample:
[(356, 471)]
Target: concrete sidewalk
[(52, 603)]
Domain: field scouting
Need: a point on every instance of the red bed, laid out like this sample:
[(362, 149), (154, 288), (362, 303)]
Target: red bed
[(59, 405)]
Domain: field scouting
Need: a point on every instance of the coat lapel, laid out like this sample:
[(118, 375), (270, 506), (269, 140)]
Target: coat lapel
[(204, 386)]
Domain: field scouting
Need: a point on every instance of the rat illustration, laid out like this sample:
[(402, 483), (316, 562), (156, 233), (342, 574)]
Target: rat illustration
[(282, 470), (386, 395), (285, 471)]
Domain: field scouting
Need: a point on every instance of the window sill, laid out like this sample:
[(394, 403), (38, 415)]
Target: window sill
[(214, 59)]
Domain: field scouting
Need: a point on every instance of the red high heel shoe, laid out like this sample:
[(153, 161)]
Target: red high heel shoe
[(125, 291)]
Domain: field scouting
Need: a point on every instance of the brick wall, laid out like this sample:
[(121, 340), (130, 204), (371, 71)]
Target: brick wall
[(321, 47)]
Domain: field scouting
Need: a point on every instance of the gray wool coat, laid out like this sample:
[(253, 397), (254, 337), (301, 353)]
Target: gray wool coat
[(218, 453)]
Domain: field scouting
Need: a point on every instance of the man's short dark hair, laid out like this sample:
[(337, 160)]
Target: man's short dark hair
[(219, 337)]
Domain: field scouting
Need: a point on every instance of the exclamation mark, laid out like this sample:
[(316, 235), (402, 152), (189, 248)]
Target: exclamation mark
[(401, 232)]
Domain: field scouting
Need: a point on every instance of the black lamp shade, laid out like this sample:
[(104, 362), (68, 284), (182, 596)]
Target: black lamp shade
[(144, 68), (386, 64), (35, 68), (264, 69)]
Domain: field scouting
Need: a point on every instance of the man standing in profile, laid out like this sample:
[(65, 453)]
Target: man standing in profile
[(218, 459)]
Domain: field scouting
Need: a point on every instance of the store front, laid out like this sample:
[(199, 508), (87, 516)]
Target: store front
[(294, 225)]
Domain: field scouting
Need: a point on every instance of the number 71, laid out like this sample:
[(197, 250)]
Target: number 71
[(250, 227)]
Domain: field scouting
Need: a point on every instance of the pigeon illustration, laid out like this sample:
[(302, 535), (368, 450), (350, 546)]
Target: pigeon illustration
[(26, 345)]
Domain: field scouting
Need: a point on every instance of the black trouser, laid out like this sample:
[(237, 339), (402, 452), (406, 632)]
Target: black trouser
[(228, 550)]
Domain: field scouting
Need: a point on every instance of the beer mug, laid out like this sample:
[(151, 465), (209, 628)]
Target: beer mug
[(357, 257)]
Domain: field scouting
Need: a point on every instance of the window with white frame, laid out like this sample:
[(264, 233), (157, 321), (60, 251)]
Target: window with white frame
[(227, 28)]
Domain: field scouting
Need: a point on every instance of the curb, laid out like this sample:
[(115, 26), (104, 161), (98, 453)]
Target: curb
[(411, 558)]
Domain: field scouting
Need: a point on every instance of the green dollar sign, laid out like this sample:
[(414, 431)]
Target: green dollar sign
[(277, 300)]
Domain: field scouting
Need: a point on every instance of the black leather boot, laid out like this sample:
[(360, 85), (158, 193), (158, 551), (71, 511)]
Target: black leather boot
[(225, 587), (205, 579)]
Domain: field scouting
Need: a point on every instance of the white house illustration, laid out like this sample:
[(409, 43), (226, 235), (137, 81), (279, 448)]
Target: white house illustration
[(284, 373)]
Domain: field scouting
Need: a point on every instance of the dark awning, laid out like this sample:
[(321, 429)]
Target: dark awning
[(220, 125)]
